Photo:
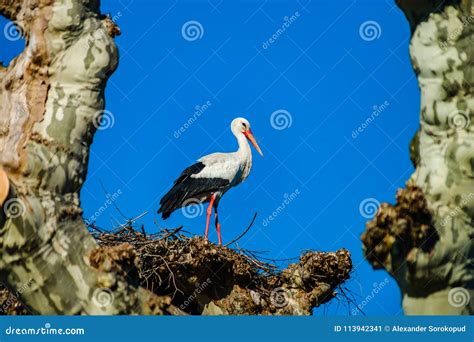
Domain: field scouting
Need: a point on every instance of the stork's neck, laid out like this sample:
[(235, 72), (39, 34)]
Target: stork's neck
[(244, 148)]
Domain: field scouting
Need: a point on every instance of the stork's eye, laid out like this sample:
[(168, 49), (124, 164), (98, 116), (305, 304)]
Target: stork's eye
[(244, 125)]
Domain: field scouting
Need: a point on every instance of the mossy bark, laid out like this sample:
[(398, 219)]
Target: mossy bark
[(52, 96)]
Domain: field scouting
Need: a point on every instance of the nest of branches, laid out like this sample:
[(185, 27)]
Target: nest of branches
[(203, 278)]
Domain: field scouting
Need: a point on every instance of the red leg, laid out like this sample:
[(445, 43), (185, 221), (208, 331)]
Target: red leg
[(209, 212), (218, 225)]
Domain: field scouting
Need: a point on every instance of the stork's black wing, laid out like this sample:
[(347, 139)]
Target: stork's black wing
[(190, 190)]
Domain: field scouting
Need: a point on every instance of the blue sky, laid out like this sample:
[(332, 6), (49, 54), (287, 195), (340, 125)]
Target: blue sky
[(324, 73)]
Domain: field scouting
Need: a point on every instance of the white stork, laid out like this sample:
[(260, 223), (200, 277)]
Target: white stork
[(211, 176)]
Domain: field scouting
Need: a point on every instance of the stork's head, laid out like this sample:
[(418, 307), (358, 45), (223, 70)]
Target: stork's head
[(241, 126)]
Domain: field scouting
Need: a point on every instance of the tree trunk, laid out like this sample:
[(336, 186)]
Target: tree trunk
[(425, 240), (52, 97)]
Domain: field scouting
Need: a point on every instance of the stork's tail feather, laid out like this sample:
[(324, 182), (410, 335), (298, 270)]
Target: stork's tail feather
[(175, 197), (164, 214), (170, 202)]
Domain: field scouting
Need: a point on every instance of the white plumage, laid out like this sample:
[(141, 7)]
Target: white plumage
[(212, 175)]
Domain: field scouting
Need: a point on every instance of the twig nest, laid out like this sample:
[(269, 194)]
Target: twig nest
[(202, 278)]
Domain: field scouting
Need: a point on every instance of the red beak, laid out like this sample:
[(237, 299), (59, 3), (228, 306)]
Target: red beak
[(249, 135)]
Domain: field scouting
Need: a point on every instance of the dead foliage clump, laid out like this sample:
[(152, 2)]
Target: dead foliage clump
[(399, 229)]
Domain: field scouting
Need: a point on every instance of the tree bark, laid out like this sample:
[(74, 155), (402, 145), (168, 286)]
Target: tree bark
[(425, 240), (52, 97)]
